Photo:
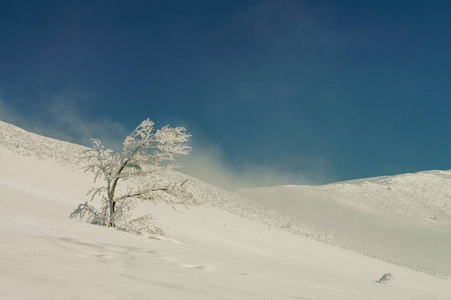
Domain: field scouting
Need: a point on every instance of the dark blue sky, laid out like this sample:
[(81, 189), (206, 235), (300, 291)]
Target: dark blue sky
[(313, 91)]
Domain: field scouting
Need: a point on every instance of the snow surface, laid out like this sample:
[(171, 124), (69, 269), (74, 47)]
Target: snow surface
[(225, 248), (404, 219)]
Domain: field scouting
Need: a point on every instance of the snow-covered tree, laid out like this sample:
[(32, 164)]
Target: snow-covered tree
[(144, 158)]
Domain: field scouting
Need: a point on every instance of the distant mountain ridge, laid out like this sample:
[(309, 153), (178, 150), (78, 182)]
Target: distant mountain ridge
[(423, 197)]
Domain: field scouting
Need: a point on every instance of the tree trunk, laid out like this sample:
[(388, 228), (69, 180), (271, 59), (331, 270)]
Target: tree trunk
[(112, 204), (111, 208)]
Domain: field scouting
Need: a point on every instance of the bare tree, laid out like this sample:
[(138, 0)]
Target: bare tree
[(142, 155)]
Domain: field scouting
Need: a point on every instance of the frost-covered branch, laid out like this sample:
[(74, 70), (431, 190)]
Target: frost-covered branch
[(145, 152)]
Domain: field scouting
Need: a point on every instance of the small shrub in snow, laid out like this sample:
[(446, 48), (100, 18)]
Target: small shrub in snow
[(140, 166), (386, 278)]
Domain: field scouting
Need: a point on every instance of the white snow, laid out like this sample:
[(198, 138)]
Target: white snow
[(404, 219), (217, 250)]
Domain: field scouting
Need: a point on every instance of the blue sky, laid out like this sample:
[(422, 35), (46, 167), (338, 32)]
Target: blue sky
[(273, 91)]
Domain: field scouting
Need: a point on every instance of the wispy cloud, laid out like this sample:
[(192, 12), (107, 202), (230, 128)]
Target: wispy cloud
[(8, 115), (69, 124), (208, 163), (63, 121)]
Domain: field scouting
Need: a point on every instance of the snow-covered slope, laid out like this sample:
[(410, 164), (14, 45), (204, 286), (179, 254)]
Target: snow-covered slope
[(32, 145), (405, 219), (212, 251)]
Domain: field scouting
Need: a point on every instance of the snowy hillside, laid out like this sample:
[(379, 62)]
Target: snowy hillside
[(405, 219), (226, 247), (28, 144)]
